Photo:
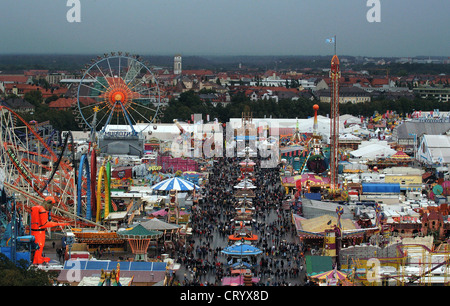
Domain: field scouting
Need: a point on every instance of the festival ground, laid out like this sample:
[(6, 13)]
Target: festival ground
[(202, 262)]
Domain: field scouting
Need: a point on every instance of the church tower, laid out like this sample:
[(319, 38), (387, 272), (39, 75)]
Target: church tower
[(177, 64)]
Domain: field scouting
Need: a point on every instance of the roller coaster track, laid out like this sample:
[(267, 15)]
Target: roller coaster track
[(18, 159), (84, 164), (56, 165), (414, 278), (103, 177), (93, 179), (69, 218)]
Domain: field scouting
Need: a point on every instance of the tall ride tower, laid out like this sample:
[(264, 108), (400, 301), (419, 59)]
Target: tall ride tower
[(335, 74)]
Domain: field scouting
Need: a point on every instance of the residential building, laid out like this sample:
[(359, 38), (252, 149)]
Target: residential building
[(346, 94), (55, 78), (7, 80), (437, 92), (19, 105), (36, 73)]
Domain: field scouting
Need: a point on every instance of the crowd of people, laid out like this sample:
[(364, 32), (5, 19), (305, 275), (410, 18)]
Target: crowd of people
[(281, 262)]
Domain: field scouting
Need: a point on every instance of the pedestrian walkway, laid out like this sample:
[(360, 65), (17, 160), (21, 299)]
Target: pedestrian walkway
[(202, 261)]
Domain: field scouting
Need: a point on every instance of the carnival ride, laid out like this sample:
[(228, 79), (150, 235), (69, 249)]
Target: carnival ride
[(313, 156), (118, 98), (335, 75), (34, 172), (16, 244), (103, 191), (122, 89), (33, 175), (30, 173), (315, 161), (243, 233)]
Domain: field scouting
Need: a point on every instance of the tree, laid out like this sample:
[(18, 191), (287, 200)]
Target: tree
[(34, 97), (21, 274), (51, 98)]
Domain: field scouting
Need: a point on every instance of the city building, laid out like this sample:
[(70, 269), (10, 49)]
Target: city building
[(63, 104), (440, 93), (177, 67), (346, 95), (19, 105)]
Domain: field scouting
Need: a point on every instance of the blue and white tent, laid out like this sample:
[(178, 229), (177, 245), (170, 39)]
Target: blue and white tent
[(175, 183)]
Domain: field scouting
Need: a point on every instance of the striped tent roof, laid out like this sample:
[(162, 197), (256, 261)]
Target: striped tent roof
[(175, 183)]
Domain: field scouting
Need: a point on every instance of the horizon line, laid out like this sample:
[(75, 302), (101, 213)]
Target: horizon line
[(216, 55)]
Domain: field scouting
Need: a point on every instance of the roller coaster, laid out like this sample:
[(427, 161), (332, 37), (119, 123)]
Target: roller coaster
[(33, 175)]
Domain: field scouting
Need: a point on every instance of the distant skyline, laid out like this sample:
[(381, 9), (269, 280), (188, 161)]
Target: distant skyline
[(407, 28)]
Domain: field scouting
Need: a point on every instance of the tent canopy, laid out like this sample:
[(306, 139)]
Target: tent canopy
[(175, 183), (163, 212), (158, 225), (373, 150), (140, 231), (332, 274), (400, 155)]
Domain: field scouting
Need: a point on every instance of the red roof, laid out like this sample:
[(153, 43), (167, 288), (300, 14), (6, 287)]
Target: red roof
[(349, 81), (24, 88), (62, 103), (197, 72), (35, 72), (14, 78), (379, 82)]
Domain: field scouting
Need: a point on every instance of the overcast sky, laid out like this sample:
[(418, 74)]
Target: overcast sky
[(226, 27)]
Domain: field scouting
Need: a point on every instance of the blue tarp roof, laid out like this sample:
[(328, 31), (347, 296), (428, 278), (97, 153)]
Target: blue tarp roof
[(380, 187), (109, 265)]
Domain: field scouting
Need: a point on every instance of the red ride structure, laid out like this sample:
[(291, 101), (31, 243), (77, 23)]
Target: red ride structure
[(34, 175), (335, 74)]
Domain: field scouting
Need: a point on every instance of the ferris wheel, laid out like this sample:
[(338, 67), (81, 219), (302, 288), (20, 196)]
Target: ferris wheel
[(118, 89)]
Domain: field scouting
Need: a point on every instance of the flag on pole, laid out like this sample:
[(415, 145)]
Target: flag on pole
[(332, 40)]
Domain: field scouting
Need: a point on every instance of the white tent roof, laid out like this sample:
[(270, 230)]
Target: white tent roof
[(355, 129), (438, 141), (245, 186), (349, 137), (305, 125), (349, 119), (373, 151), (439, 148)]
